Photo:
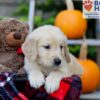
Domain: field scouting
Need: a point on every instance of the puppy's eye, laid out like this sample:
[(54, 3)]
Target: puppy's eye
[(47, 46), (61, 47)]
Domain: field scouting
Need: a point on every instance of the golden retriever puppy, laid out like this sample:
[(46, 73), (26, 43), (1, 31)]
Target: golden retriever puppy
[(47, 54)]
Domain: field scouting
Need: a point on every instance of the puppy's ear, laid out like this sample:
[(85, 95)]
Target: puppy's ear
[(29, 49), (66, 50), (67, 56)]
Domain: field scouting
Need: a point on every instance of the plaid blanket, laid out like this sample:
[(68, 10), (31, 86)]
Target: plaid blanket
[(12, 88)]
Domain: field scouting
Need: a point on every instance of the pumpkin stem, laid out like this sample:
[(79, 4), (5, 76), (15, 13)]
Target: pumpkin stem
[(83, 50), (69, 4)]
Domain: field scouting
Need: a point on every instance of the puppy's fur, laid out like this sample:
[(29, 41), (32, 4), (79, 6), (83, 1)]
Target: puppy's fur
[(41, 48)]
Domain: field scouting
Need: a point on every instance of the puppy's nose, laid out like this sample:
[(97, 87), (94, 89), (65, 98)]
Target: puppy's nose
[(57, 61)]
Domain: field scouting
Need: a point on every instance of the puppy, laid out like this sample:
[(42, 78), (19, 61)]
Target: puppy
[(46, 54)]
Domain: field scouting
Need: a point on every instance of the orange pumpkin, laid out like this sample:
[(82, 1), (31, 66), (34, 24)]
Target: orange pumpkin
[(90, 77), (72, 23), (91, 73)]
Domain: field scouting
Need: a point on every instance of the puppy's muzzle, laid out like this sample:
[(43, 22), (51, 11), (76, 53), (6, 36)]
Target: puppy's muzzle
[(57, 61)]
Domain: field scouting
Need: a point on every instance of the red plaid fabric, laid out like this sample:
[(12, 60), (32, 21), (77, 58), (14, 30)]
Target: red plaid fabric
[(12, 88)]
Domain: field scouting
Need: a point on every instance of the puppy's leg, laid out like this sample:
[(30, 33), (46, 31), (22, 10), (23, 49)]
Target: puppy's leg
[(36, 78), (53, 80)]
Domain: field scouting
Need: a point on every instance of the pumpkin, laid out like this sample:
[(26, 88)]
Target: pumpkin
[(90, 77), (72, 23)]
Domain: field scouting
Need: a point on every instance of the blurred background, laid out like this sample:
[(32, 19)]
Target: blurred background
[(45, 12)]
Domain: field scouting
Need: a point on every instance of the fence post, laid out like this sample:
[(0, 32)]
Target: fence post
[(31, 14)]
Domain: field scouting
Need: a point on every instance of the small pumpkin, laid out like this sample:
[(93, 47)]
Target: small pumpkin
[(91, 73), (71, 22)]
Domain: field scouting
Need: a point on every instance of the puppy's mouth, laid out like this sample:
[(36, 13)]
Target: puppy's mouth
[(51, 66), (55, 67)]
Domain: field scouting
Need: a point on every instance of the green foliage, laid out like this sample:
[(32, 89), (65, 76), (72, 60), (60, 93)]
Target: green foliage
[(23, 18), (51, 5), (38, 21), (22, 10), (75, 49), (92, 52), (1, 17)]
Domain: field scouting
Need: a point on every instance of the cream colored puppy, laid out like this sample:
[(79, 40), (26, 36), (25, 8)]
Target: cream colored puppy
[(46, 54)]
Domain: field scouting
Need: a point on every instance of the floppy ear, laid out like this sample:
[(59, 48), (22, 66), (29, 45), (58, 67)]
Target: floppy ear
[(66, 50), (29, 49), (67, 56)]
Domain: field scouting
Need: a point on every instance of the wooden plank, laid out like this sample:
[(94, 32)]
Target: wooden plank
[(91, 42), (91, 96)]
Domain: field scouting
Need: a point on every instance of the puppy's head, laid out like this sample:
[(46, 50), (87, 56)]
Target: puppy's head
[(46, 46)]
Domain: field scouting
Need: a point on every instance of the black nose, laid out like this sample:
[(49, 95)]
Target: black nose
[(57, 61)]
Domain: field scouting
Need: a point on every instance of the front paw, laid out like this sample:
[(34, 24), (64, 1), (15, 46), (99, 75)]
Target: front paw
[(37, 80), (51, 84)]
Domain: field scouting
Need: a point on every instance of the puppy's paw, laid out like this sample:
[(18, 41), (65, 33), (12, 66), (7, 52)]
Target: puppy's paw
[(37, 80), (51, 84)]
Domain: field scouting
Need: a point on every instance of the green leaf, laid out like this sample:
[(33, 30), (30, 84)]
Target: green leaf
[(22, 10)]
